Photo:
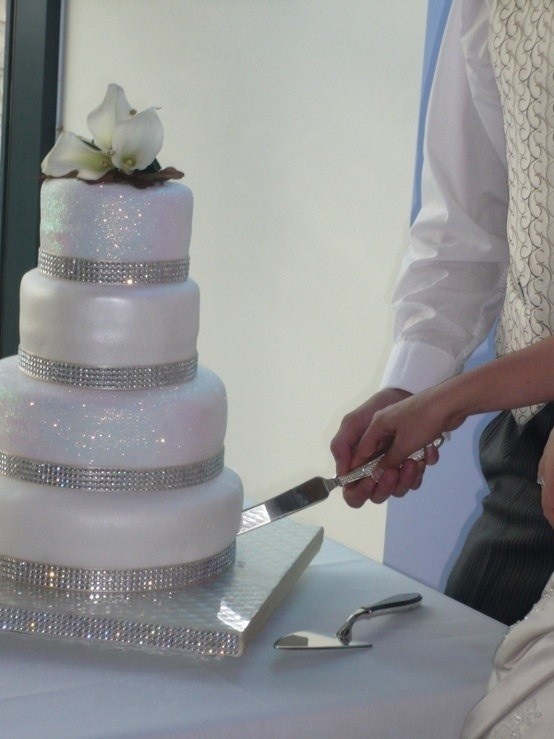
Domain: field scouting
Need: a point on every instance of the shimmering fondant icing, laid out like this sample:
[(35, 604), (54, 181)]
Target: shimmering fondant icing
[(174, 425), (115, 221)]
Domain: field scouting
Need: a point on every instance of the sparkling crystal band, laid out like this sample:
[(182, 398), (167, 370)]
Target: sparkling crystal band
[(172, 577), (110, 480), (122, 273), (91, 628), (107, 378)]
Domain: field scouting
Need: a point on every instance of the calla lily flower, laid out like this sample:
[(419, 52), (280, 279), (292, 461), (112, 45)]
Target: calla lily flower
[(102, 120), (136, 141), (71, 153), (122, 139)]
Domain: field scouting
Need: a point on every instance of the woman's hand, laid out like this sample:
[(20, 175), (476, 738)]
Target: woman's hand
[(546, 479)]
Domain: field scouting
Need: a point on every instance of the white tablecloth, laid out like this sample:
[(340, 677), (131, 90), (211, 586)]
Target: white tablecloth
[(425, 671)]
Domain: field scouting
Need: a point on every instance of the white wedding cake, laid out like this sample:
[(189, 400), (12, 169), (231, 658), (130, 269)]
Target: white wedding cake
[(111, 447)]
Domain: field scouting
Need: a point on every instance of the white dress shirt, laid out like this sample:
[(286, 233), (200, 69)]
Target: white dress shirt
[(452, 282)]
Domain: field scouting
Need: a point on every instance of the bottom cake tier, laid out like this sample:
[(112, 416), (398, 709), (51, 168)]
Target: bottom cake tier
[(105, 530)]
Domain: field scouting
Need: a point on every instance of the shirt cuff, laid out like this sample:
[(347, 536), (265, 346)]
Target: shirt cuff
[(415, 366)]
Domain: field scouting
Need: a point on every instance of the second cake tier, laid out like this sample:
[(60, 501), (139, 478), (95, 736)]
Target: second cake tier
[(108, 325)]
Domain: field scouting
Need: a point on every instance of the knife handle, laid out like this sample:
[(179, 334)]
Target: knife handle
[(366, 470)]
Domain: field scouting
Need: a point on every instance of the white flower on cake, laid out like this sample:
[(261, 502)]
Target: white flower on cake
[(124, 143)]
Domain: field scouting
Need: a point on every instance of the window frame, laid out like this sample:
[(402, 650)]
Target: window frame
[(29, 118)]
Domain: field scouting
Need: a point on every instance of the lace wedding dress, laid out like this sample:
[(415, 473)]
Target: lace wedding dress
[(520, 698)]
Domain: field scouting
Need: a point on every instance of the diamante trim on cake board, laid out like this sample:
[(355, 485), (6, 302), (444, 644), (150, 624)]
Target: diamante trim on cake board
[(42, 575), (107, 378), (122, 273), (122, 633), (110, 479)]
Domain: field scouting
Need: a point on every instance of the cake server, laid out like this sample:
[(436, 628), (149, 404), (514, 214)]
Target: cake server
[(310, 492), (343, 638)]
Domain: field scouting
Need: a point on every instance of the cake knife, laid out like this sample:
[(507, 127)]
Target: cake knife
[(311, 492)]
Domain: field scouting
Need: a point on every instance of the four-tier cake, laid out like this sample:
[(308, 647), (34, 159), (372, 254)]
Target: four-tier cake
[(112, 475)]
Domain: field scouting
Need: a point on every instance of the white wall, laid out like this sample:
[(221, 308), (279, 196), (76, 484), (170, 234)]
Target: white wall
[(295, 122)]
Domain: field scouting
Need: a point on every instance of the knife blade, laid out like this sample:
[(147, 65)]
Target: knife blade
[(310, 492)]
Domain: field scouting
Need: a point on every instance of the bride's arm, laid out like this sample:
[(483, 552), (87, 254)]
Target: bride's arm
[(516, 380)]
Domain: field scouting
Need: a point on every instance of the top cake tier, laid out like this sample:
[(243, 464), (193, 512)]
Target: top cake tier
[(115, 222)]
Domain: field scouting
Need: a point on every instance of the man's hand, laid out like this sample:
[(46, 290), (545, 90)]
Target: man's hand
[(351, 447)]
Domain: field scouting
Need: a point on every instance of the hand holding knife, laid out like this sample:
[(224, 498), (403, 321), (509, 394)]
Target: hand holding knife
[(311, 492)]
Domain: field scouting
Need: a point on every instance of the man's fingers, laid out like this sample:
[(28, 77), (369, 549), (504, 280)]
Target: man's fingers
[(388, 484), (409, 477)]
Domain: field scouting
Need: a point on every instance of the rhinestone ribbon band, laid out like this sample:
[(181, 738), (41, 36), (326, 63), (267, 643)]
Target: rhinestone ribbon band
[(121, 273), (172, 577), (151, 636), (110, 480), (107, 378)]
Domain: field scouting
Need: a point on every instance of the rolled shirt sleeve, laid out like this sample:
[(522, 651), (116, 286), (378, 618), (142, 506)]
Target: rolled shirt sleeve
[(452, 280)]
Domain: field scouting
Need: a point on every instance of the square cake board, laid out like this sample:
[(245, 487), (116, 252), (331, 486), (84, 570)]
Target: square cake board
[(215, 618)]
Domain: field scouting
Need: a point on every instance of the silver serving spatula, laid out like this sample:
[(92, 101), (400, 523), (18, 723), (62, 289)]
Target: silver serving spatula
[(310, 492), (343, 638)]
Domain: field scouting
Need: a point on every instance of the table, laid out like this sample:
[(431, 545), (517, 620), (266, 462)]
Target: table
[(426, 669)]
